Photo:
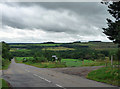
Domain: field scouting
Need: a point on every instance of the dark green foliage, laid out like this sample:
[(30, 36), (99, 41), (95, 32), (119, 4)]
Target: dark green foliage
[(6, 55), (5, 51), (59, 59), (94, 51), (113, 30), (39, 57)]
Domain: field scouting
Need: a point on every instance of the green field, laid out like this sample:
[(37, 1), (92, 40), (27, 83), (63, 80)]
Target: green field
[(19, 50), (107, 75), (72, 62), (38, 44), (77, 62), (58, 48)]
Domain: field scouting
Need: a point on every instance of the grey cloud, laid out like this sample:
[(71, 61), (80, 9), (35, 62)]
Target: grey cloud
[(83, 18)]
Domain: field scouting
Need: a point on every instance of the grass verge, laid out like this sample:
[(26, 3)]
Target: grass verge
[(40, 64), (108, 75), (6, 64), (4, 84), (47, 64), (65, 63)]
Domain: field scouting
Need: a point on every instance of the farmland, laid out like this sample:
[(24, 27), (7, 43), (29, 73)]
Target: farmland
[(70, 55), (81, 51), (58, 48)]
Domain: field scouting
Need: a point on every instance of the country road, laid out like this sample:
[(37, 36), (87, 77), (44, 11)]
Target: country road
[(21, 75)]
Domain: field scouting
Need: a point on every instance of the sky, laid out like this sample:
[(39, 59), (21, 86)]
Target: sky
[(36, 22)]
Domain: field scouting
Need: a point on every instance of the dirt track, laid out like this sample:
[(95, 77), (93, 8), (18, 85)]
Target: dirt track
[(79, 71)]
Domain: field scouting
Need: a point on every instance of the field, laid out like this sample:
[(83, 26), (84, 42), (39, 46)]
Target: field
[(107, 75), (58, 48), (71, 55), (19, 50), (76, 62), (34, 44)]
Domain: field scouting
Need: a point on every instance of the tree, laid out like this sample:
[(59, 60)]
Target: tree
[(6, 51), (113, 29)]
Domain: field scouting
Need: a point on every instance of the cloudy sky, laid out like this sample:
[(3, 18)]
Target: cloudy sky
[(53, 21)]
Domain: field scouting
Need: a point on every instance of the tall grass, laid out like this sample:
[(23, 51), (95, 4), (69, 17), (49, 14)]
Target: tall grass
[(110, 75)]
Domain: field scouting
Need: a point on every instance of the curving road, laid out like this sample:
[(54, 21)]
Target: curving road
[(21, 75)]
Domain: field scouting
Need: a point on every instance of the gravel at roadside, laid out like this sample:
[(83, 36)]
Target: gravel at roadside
[(79, 71)]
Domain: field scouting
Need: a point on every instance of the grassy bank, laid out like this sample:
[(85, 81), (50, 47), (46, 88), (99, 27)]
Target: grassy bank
[(4, 84), (107, 75)]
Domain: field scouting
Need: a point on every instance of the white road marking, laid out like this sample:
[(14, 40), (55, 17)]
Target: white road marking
[(58, 85), (42, 78), (27, 70), (47, 80), (35, 74)]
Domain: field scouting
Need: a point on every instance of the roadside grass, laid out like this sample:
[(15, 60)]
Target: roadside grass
[(58, 48), (108, 75), (40, 65), (6, 64), (20, 59), (4, 84), (65, 62), (47, 64)]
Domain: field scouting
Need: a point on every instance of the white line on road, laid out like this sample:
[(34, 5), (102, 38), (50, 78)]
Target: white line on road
[(42, 78), (27, 70), (35, 74), (47, 80), (58, 85)]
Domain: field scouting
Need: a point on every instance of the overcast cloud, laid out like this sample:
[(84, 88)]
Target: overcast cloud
[(58, 22)]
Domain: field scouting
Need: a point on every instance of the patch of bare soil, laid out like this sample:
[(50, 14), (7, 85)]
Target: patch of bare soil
[(79, 71)]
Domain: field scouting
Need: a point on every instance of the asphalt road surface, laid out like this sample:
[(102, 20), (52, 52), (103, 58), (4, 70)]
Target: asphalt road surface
[(21, 75)]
